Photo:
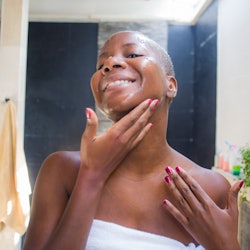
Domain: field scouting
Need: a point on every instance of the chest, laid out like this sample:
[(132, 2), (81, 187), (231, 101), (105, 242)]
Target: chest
[(140, 206)]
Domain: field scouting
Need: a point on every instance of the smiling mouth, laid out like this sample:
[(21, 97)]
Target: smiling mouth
[(117, 82)]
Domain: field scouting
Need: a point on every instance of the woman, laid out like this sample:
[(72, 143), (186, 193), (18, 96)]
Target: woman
[(127, 188)]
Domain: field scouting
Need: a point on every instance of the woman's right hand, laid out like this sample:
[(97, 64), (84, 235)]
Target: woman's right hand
[(103, 153)]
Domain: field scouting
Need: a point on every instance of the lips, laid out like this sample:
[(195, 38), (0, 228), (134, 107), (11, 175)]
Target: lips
[(117, 82)]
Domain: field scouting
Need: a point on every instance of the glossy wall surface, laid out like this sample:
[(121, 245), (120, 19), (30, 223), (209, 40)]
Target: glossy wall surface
[(61, 59), (192, 122)]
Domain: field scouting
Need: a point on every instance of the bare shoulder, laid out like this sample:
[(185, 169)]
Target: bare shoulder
[(66, 157), (215, 185), (53, 186), (61, 167)]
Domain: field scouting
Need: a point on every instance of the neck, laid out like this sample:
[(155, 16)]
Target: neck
[(152, 153)]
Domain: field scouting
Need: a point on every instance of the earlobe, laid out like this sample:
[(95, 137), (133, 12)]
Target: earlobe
[(172, 87)]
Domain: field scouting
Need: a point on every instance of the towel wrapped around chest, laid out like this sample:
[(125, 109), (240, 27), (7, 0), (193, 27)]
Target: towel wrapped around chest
[(110, 236)]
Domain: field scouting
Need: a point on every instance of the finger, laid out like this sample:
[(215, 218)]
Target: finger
[(139, 121), (91, 125), (179, 190), (176, 213), (198, 192), (130, 120), (232, 202), (133, 127), (141, 135)]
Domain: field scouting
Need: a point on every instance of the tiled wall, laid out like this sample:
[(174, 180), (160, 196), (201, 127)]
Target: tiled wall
[(62, 58)]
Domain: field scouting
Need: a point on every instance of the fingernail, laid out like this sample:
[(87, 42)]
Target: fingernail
[(149, 101), (150, 125), (167, 179), (165, 202), (88, 114), (156, 103), (178, 169), (241, 183), (169, 170)]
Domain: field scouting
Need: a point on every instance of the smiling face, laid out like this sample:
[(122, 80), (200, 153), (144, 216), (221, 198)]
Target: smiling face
[(129, 71)]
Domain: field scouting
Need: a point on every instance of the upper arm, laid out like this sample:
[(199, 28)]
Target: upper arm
[(48, 203), (217, 187)]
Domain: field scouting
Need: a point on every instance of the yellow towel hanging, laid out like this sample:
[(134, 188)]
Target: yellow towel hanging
[(11, 213)]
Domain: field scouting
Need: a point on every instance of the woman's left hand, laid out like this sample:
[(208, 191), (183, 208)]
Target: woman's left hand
[(213, 227)]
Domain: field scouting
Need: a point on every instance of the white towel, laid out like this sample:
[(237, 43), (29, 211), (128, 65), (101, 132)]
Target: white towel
[(110, 236)]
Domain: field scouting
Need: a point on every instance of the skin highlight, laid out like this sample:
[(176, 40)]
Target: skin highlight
[(130, 175)]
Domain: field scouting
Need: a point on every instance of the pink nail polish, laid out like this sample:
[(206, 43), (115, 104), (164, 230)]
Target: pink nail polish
[(178, 169), (241, 183), (149, 101), (155, 105), (169, 170), (165, 202), (167, 179), (150, 125), (88, 114)]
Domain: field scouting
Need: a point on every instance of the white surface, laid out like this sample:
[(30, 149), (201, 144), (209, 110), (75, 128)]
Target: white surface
[(183, 11), (233, 86)]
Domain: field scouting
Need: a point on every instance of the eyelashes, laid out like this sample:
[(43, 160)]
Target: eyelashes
[(99, 67), (130, 56), (133, 55)]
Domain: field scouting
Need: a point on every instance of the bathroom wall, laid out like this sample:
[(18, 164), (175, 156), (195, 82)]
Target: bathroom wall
[(61, 59), (233, 88), (193, 114)]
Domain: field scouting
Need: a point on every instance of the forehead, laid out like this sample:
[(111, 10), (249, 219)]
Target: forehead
[(125, 39)]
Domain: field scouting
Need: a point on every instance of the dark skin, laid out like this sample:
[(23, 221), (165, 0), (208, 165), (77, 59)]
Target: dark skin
[(120, 176)]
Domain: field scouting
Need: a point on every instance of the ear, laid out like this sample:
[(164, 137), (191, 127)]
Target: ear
[(172, 87)]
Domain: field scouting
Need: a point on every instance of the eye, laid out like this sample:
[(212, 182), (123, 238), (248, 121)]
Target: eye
[(100, 67), (133, 55)]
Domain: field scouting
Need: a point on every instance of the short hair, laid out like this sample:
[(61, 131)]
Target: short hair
[(164, 56)]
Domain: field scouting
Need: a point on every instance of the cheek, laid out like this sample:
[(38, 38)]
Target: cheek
[(147, 63), (152, 71), (94, 84)]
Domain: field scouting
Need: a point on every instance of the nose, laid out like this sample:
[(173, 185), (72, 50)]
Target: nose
[(112, 63)]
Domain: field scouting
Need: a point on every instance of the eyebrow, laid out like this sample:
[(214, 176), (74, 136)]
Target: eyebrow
[(124, 45)]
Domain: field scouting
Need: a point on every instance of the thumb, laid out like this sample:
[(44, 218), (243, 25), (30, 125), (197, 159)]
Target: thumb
[(233, 195), (91, 124)]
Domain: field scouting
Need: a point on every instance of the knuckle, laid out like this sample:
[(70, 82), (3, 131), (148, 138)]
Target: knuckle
[(114, 134), (182, 201), (123, 140), (185, 190), (132, 119), (141, 123), (193, 186), (207, 207), (174, 177), (119, 139)]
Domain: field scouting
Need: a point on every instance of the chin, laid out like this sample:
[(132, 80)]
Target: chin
[(117, 110), (114, 115)]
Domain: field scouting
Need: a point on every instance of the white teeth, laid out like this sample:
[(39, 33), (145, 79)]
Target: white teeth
[(119, 82)]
